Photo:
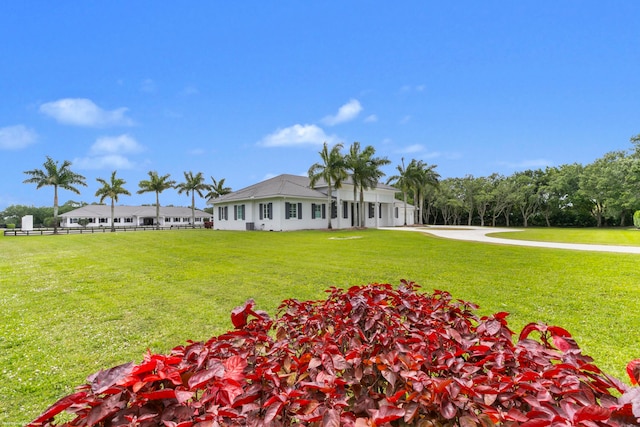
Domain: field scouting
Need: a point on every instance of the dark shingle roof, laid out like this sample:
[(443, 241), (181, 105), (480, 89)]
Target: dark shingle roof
[(281, 185)]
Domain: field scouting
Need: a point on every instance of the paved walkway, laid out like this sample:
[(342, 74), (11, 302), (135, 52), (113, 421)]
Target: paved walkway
[(479, 234)]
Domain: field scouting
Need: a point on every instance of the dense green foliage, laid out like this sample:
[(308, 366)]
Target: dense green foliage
[(75, 304), (604, 192)]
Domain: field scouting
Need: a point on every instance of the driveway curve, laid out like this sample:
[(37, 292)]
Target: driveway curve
[(479, 234)]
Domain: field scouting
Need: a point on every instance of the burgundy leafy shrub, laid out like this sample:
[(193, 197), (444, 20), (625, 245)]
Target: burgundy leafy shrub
[(369, 356)]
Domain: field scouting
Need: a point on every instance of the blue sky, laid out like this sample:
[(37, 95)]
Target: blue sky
[(248, 90)]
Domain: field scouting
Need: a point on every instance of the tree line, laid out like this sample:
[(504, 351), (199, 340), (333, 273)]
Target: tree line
[(60, 176), (605, 192)]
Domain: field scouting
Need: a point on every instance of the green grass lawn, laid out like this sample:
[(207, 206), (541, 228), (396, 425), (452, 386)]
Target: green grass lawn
[(599, 236), (72, 305)]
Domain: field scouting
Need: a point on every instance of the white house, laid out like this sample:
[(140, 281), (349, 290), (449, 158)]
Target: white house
[(287, 202), (131, 216)]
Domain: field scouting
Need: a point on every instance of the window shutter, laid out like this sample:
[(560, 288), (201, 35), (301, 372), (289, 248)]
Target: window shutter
[(242, 212), (334, 209), (299, 210), (260, 209), (226, 212), (345, 210), (287, 206), (380, 210), (324, 211), (270, 210), (313, 211), (235, 212)]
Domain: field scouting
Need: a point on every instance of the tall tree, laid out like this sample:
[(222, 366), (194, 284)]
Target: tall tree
[(402, 181), (365, 171), (57, 177), (217, 189), (156, 184), (112, 189), (421, 177), (332, 170), (193, 184)]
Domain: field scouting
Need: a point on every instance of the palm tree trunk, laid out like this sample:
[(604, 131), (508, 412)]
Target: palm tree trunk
[(329, 204), (355, 202), (362, 207), (404, 193), (193, 209), (55, 209), (157, 210), (113, 226)]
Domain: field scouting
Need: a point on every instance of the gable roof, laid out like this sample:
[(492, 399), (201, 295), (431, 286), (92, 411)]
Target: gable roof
[(90, 211), (280, 186)]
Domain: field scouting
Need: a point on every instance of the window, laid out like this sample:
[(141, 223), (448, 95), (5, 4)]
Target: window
[(292, 210), (129, 220), (104, 220), (117, 220), (334, 209), (167, 219), (318, 211), (372, 210), (198, 219), (176, 219), (74, 220), (186, 219), (345, 210), (223, 212), (238, 212), (395, 212), (266, 210)]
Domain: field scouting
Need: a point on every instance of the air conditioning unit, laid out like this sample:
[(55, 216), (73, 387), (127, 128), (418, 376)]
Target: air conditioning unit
[(251, 226)]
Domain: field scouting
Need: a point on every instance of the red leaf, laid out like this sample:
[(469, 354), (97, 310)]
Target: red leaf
[(272, 412), (166, 393), (239, 315), (331, 418), (633, 369), (58, 407), (235, 366), (202, 377), (108, 407), (387, 414), (591, 412), (104, 379), (536, 423)]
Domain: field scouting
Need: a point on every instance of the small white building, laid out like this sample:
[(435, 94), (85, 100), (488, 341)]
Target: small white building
[(131, 216), (287, 202)]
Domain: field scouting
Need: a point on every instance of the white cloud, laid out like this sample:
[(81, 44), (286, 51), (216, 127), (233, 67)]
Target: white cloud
[(297, 135), (16, 137), (371, 119), (415, 148), (347, 112), (405, 120), (115, 144), (110, 161), (148, 86), (84, 112)]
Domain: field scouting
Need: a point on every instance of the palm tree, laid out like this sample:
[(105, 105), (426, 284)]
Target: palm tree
[(193, 184), (332, 170), (56, 176), (402, 181), (217, 189), (112, 189), (421, 176), (156, 184), (365, 171)]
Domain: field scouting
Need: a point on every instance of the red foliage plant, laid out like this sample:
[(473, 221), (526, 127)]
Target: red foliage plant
[(373, 355)]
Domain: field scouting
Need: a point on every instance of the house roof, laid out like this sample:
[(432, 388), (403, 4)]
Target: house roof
[(281, 185), (90, 211), (285, 185)]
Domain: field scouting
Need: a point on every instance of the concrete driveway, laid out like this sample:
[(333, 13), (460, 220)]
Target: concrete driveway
[(479, 234)]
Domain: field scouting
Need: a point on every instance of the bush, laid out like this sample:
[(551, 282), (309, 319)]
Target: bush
[(369, 356), (636, 219), (11, 226)]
